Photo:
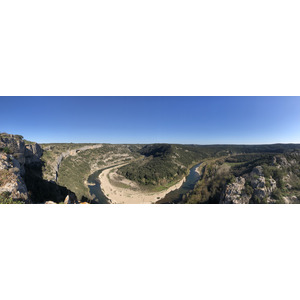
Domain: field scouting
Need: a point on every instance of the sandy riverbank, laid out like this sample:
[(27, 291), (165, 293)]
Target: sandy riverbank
[(131, 194), (199, 170)]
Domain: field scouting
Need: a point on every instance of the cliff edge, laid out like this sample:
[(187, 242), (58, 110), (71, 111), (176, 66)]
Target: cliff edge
[(15, 154)]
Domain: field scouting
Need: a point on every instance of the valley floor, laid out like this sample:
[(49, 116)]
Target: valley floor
[(122, 191)]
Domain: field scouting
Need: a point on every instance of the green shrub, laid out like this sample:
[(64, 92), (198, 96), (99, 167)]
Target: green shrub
[(277, 195), (5, 198), (257, 200), (7, 150), (248, 189)]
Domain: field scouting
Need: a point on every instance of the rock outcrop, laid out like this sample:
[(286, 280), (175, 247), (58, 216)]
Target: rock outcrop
[(24, 153), (291, 200), (14, 155), (33, 153), (14, 145), (257, 190), (11, 180), (258, 183), (235, 193)]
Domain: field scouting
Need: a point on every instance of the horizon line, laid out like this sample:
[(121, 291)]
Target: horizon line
[(166, 143)]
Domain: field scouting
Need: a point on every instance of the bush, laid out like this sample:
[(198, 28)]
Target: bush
[(5, 198), (231, 179), (7, 150), (257, 200), (248, 189), (277, 195)]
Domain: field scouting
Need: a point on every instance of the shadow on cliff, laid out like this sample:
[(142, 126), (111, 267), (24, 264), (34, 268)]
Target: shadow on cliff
[(41, 190)]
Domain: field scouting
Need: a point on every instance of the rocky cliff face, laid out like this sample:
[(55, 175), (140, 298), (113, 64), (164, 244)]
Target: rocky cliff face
[(11, 181), (12, 144), (58, 160), (33, 153), (24, 153), (14, 155), (21, 174)]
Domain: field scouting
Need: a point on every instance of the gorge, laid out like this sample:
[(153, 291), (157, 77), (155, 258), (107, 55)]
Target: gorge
[(158, 173)]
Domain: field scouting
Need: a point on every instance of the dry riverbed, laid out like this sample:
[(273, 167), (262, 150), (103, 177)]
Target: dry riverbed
[(123, 191)]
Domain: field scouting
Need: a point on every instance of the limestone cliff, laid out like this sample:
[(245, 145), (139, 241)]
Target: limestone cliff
[(33, 153), (15, 154), (15, 145), (55, 165), (21, 179), (11, 181)]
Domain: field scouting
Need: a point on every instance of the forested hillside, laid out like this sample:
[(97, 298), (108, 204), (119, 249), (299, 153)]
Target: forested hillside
[(166, 163)]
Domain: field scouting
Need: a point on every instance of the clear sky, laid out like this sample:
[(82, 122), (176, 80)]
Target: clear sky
[(187, 120)]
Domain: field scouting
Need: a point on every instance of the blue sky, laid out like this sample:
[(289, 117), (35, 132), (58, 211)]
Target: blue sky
[(187, 120)]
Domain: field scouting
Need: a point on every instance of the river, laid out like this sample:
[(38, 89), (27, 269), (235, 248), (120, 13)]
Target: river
[(172, 197), (95, 188), (188, 186)]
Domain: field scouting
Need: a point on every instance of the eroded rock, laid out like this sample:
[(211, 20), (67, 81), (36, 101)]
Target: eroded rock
[(235, 193), (11, 181), (33, 153)]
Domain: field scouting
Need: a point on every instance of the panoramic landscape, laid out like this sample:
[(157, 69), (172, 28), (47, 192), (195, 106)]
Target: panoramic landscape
[(142, 172)]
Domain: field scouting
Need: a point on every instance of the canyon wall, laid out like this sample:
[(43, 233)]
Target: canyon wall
[(15, 154)]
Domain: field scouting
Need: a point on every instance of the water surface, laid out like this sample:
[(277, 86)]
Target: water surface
[(95, 188), (188, 186)]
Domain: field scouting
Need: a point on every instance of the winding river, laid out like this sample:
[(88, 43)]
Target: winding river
[(172, 197), (95, 188), (188, 185)]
